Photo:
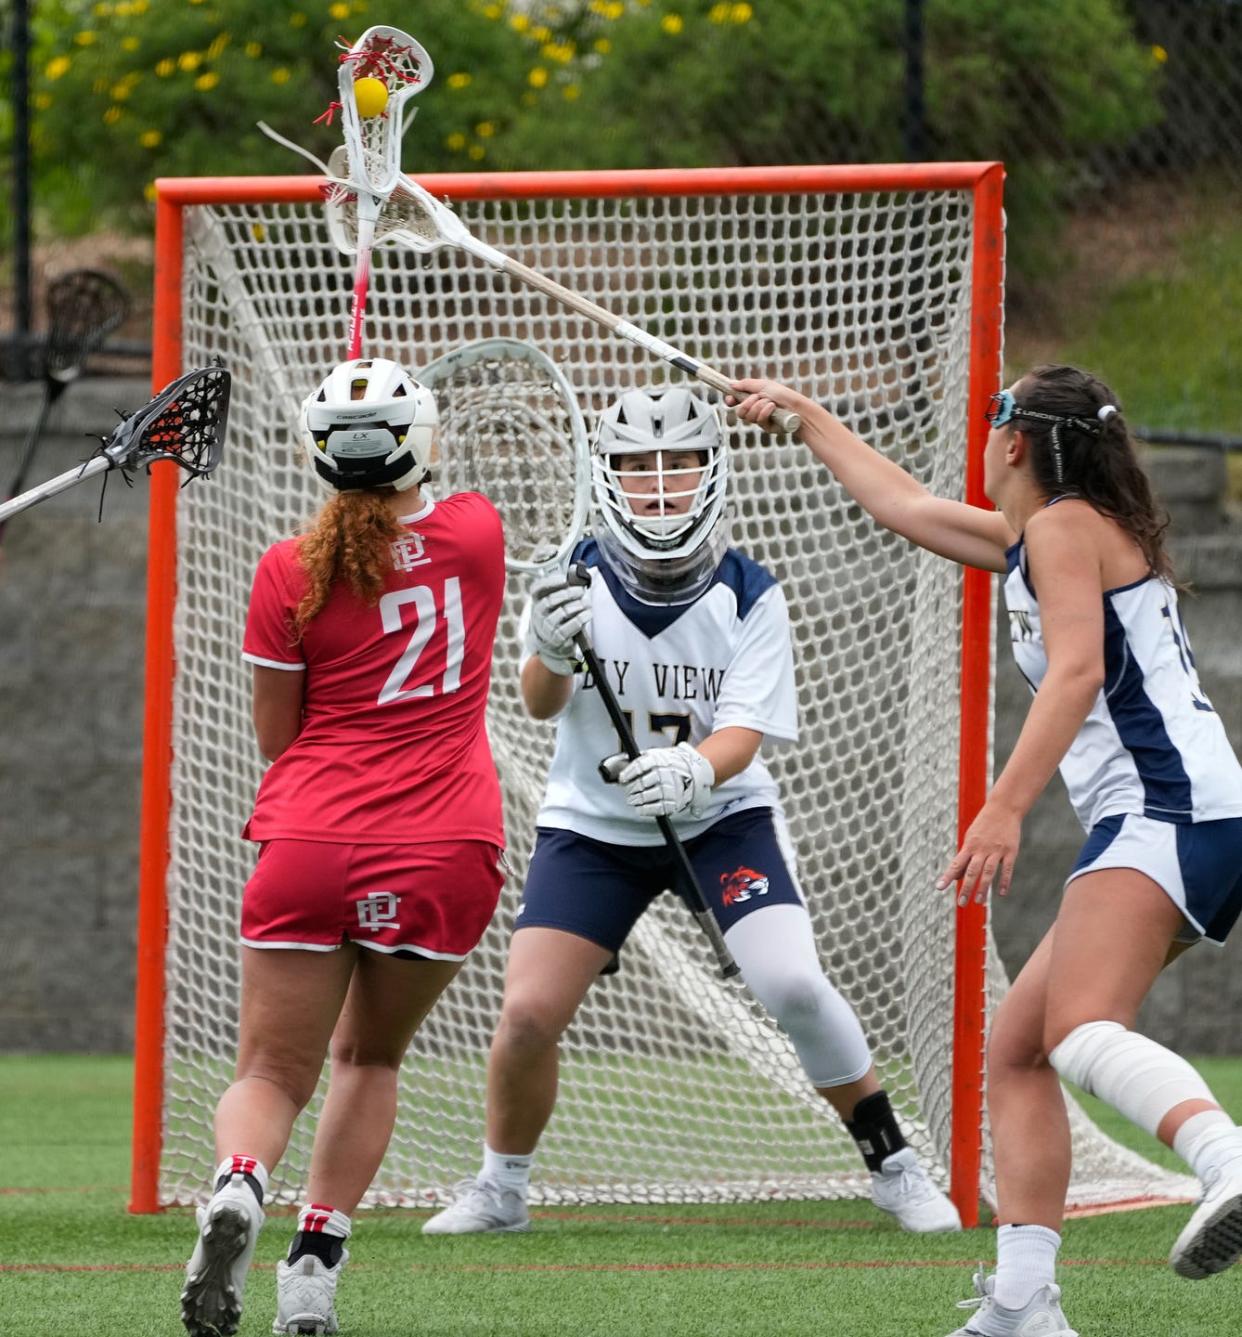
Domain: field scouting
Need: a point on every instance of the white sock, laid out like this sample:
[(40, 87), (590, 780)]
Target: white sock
[(244, 1165), (1026, 1259), (316, 1216), (1207, 1140), (511, 1172)]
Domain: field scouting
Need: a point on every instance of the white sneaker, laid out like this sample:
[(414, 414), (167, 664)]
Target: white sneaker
[(1212, 1240), (305, 1292), (215, 1276), (481, 1205), (1041, 1316), (903, 1189)]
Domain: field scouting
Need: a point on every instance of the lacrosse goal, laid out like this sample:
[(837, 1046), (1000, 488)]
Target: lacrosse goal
[(878, 290)]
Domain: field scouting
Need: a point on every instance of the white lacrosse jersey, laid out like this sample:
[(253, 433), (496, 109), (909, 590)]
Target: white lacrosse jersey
[(1152, 743), (681, 672)]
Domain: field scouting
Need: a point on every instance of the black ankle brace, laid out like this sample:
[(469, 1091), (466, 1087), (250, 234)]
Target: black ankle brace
[(251, 1182), (327, 1248), (874, 1128)]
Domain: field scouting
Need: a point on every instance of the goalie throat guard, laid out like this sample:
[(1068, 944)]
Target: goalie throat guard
[(370, 424), (661, 555)]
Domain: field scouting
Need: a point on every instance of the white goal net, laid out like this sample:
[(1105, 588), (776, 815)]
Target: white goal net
[(674, 1086)]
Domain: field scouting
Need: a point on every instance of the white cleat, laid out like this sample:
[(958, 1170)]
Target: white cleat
[(305, 1296), (1212, 1240), (903, 1189), (215, 1276), (481, 1206), (1041, 1316)]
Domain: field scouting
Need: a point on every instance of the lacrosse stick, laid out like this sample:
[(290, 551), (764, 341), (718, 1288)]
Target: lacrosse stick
[(511, 428), (184, 423), (409, 216), (84, 307), (370, 158)]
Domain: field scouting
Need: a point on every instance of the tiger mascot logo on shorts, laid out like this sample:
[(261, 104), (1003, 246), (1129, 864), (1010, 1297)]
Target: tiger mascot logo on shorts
[(741, 885)]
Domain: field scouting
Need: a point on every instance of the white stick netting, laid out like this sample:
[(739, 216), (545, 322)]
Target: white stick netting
[(674, 1086)]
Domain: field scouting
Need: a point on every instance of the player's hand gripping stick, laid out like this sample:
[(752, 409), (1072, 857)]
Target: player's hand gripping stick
[(689, 888)]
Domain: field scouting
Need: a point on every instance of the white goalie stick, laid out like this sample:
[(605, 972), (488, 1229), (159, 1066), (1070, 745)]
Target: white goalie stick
[(511, 428), (185, 424), (410, 216)]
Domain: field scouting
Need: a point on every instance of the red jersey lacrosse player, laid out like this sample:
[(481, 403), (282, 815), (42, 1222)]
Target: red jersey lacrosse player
[(379, 823)]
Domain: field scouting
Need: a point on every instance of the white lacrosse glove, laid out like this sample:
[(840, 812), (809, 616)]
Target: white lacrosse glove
[(664, 781), (559, 610)]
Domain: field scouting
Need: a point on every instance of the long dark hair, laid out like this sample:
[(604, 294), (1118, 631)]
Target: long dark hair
[(348, 540), (1091, 458)]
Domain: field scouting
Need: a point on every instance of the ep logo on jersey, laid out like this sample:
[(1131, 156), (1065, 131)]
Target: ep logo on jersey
[(378, 911), (408, 552)]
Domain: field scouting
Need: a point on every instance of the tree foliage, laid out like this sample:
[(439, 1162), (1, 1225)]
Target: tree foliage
[(128, 90)]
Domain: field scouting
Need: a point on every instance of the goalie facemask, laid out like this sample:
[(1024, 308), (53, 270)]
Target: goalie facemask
[(370, 424), (658, 470)]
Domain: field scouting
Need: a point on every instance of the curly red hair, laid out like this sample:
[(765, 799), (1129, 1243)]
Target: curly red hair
[(349, 540)]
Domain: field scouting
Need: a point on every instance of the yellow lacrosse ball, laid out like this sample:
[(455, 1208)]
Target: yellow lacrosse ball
[(371, 96)]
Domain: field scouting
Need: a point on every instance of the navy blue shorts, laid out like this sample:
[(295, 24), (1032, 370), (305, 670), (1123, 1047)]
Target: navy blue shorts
[(598, 890)]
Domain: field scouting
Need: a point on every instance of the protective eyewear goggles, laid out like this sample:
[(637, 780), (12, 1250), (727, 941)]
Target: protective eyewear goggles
[(1001, 408)]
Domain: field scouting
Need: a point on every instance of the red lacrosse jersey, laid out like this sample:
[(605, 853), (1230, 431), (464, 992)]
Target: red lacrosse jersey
[(393, 746)]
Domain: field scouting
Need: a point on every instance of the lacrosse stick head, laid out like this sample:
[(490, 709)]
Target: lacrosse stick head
[(184, 423), (511, 428), (659, 471), (373, 143), (410, 216), (84, 307), (370, 424)]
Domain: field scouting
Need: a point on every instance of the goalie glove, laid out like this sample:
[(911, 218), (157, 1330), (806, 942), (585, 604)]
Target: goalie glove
[(560, 609), (664, 781)]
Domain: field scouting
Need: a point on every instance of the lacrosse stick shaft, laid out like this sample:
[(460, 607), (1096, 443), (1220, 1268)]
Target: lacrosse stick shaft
[(691, 891), (362, 276), (782, 420), (61, 483)]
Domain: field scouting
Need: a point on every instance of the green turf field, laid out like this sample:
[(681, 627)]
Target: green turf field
[(72, 1261)]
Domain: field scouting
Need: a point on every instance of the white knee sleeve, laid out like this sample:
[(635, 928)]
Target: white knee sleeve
[(1133, 1074), (775, 949)]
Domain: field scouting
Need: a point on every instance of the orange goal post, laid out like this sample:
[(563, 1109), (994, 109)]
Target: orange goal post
[(877, 289)]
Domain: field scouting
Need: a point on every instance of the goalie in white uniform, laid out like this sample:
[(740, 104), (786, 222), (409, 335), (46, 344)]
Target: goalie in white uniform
[(695, 639)]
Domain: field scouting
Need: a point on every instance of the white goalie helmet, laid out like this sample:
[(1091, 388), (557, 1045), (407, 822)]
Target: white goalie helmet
[(660, 519), (370, 424)]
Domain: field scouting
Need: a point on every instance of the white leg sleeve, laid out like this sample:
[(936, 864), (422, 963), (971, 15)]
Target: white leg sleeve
[(1133, 1074), (775, 950)]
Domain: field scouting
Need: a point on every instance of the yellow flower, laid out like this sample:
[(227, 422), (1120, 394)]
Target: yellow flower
[(477, 151), (166, 67), (216, 49), (742, 14), (459, 80), (719, 13), (603, 45), (138, 6), (253, 49), (519, 23), (120, 92), (485, 129), (672, 24), (86, 38), (258, 231), (297, 19), (112, 115), (149, 192), (339, 11), (571, 92), (189, 61), (129, 44), (456, 141), (150, 139), (58, 67), (102, 10), (540, 33), (123, 10), (537, 77), (206, 82), (1159, 54), (493, 11), (281, 75)]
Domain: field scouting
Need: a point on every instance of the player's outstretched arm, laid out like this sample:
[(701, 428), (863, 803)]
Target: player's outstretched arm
[(952, 529)]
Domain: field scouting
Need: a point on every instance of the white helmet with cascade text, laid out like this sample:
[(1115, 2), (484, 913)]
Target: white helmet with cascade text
[(370, 424), (660, 519)]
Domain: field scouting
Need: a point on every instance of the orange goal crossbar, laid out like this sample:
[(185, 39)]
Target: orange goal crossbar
[(983, 179)]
